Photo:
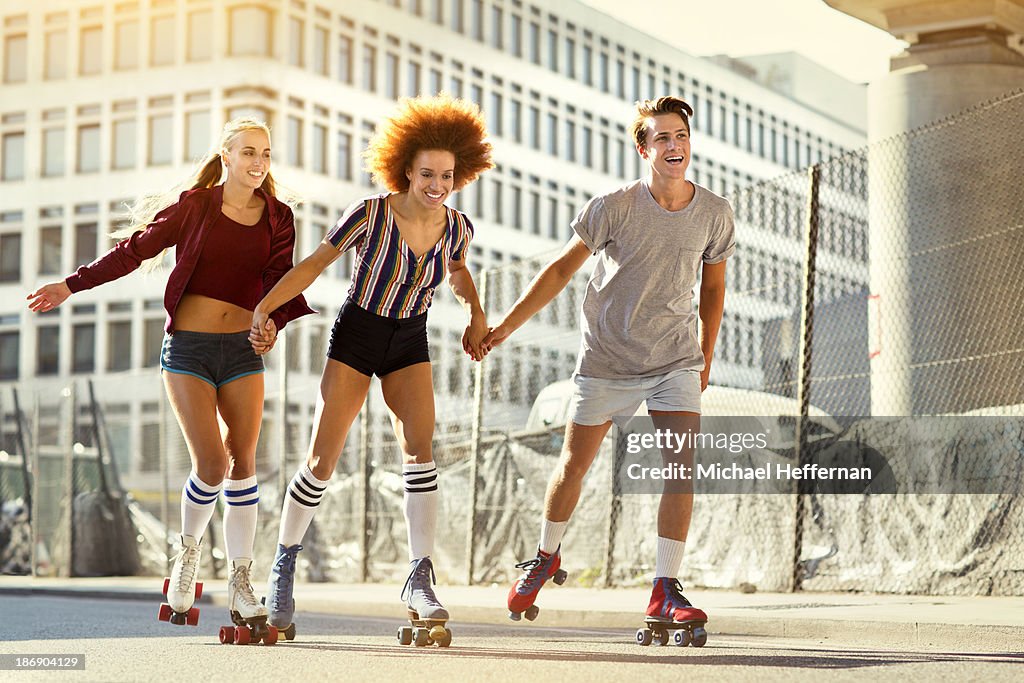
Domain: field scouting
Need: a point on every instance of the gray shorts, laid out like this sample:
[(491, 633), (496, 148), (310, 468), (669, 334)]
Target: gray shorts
[(212, 357), (596, 401)]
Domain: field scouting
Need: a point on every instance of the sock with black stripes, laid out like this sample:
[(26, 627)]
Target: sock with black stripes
[(300, 504), (240, 509), (197, 504), (420, 507)]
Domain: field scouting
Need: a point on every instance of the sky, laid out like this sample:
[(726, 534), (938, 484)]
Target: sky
[(853, 49)]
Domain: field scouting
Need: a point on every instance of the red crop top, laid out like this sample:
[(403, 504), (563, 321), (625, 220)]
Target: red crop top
[(231, 264)]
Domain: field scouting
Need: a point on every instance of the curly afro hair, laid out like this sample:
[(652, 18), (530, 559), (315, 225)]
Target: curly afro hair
[(428, 123)]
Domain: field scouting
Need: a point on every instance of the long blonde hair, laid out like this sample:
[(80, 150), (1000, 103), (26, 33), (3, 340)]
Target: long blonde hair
[(142, 212)]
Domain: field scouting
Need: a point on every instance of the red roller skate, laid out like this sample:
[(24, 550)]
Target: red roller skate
[(670, 611), (524, 591)]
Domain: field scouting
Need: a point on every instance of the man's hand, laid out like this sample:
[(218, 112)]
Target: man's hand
[(473, 337), (496, 336)]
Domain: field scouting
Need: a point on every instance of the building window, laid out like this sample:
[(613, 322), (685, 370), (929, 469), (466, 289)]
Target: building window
[(153, 338), (570, 140), (476, 19), (14, 156), (605, 153), (620, 79), (345, 59), (515, 35), (200, 36), (476, 93), (344, 155), (83, 347), (48, 350), (497, 189), (160, 140), (295, 51), (89, 148), (570, 57), (412, 82), (85, 243), (553, 134), (436, 11), (57, 55), (497, 28), (90, 51), (495, 124), (119, 345), (197, 134), (602, 72), (588, 65), (534, 42), (587, 147), (15, 58), (391, 75), (435, 81), (517, 208), (457, 16), (10, 257), (49, 250), (319, 148), (126, 46), (534, 128), (553, 50), (369, 68), (320, 51), (250, 32), (9, 349), (53, 152), (162, 40), (294, 152)]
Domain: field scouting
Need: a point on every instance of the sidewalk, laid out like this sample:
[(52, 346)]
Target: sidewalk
[(968, 624)]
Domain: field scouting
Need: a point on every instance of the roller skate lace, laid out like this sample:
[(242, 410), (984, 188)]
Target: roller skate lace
[(243, 586), (285, 573), (420, 578), (675, 594), (535, 572), (187, 563)]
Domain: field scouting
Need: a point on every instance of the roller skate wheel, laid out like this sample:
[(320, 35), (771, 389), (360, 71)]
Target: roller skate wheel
[(289, 632), (661, 638), (270, 636), (560, 576), (531, 612), (700, 637), (165, 612), (515, 616), (178, 619), (404, 635), (436, 633), (199, 589), (242, 635), (681, 638), (192, 617), (227, 635), (421, 638), (446, 639), (644, 636), (167, 584)]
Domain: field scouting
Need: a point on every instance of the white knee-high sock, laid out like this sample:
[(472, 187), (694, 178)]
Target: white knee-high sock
[(300, 504), (420, 507), (197, 504), (670, 556), (240, 510), (551, 535)]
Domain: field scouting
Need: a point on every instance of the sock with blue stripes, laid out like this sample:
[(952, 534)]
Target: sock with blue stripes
[(300, 504), (197, 504), (420, 480), (240, 509)]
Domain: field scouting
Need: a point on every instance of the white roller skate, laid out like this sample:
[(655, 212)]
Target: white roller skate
[(427, 617), (181, 587), (247, 613)]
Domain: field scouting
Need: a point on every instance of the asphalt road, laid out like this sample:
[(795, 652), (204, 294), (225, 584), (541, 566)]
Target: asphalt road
[(123, 641)]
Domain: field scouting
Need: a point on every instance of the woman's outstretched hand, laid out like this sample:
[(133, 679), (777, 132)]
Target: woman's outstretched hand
[(48, 297)]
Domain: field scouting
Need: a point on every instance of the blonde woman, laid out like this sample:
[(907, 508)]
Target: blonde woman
[(233, 241)]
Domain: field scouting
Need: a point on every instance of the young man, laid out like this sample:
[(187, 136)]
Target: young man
[(640, 339)]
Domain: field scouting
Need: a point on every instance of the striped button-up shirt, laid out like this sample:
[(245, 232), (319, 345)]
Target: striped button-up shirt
[(388, 279)]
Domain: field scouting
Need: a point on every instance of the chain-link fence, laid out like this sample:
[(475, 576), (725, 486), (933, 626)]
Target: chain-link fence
[(883, 283)]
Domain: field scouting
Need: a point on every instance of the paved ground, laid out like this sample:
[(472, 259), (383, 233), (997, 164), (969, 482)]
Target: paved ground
[(122, 641)]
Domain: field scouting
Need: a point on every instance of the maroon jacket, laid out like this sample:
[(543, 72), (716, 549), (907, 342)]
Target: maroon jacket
[(185, 225)]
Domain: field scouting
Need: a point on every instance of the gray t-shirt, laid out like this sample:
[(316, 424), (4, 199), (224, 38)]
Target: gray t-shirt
[(638, 317)]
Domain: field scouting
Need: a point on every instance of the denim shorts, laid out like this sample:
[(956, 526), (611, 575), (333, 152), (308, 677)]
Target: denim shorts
[(595, 401), (212, 357), (375, 345)]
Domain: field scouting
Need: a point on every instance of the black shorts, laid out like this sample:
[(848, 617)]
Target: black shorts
[(375, 345), (212, 357)]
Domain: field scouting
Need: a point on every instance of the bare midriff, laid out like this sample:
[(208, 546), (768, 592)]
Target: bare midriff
[(197, 313)]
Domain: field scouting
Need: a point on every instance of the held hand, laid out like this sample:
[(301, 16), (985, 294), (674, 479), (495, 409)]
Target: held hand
[(263, 334), (48, 297), (473, 337), (496, 336)]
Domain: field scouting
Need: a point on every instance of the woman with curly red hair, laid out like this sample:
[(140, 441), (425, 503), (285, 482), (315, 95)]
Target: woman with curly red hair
[(405, 241)]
